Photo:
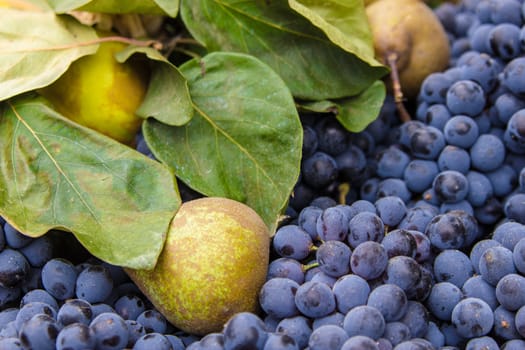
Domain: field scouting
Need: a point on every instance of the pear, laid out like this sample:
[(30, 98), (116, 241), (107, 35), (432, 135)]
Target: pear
[(409, 38), (101, 93), (213, 265)]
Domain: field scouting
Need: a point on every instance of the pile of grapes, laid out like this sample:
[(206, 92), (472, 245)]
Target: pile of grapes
[(405, 236)]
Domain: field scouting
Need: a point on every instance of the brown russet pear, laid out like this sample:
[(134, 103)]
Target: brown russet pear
[(410, 39), (213, 265)]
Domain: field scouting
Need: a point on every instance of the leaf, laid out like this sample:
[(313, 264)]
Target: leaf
[(313, 67), (37, 47), (159, 7), (344, 22), (354, 113), (55, 174), (168, 98), (244, 141)]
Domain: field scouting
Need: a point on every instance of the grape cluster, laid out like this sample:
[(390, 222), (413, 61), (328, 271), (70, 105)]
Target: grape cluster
[(72, 301)]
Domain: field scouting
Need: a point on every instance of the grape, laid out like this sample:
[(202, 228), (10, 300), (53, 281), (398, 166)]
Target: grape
[(403, 271), (503, 180), (210, 341), (31, 309), (465, 97), (153, 321), (286, 268), (332, 137), (506, 105), (454, 266), (504, 324), (315, 299), (244, 330), (461, 131), (495, 263), (110, 330), (437, 115), (391, 162), (415, 344), (129, 306), (393, 187), (487, 153), (426, 142), (506, 11), (335, 318), (135, 331), (509, 291), (364, 320), (360, 342), (152, 341), (442, 299), (360, 206), (310, 141), (277, 297), (14, 238), (396, 332), (518, 255), (74, 311), (482, 343), (479, 38), (291, 241), (480, 188), (514, 207), (423, 246), (319, 170), (391, 210), (352, 164), (7, 315), (327, 337), (519, 321), (472, 317), (477, 287), (390, 300), (434, 87), (514, 344), (434, 335), (334, 258), (417, 218), (514, 134), (332, 224), (75, 336), (13, 267), (10, 343), (454, 158), (38, 251), (504, 40), (39, 332), (416, 318), (400, 242), (446, 231), (94, 284), (369, 260), (59, 277), (419, 174), (350, 291), (512, 76), (307, 220), (297, 327), (39, 295), (365, 226), (450, 186)]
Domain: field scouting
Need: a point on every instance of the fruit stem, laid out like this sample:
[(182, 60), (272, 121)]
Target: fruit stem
[(391, 59), (142, 43), (310, 266)]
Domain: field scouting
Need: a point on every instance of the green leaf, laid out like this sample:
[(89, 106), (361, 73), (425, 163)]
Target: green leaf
[(354, 113), (37, 47), (244, 141), (344, 22), (168, 98), (313, 67), (55, 174), (170, 7)]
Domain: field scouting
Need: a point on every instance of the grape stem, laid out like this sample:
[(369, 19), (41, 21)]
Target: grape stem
[(391, 60)]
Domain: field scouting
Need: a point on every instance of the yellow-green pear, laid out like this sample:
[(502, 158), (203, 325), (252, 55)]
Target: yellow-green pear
[(213, 264), (101, 93), (409, 35)]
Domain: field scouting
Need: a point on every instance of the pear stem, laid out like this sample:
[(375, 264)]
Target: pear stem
[(391, 60)]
